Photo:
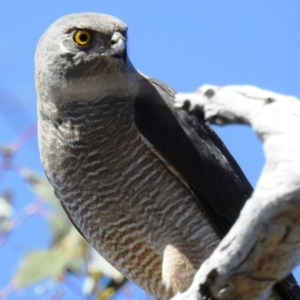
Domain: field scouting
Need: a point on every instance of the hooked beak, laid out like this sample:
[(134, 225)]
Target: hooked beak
[(118, 48)]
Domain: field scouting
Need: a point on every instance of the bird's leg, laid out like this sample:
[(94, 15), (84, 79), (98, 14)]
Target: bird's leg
[(177, 270)]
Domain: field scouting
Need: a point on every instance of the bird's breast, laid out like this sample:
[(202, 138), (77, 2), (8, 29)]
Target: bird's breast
[(121, 196)]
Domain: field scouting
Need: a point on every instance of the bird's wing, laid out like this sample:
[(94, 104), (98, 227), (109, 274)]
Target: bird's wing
[(191, 149), (194, 153)]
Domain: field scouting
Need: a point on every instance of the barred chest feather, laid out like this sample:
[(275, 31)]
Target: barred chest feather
[(122, 197)]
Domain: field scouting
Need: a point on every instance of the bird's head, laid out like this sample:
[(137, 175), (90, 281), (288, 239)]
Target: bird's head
[(81, 56)]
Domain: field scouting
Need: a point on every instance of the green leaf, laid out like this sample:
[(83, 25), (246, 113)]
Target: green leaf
[(42, 264), (106, 294), (42, 188), (68, 255), (58, 220), (97, 265)]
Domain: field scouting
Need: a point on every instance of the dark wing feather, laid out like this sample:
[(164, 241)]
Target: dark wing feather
[(196, 153), (199, 157)]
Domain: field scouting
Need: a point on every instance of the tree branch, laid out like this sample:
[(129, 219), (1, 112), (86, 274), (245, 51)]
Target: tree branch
[(263, 246)]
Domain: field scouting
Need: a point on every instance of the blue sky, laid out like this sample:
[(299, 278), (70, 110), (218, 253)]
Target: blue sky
[(183, 43)]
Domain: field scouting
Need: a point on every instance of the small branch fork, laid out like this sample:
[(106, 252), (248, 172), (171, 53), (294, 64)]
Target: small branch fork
[(263, 246)]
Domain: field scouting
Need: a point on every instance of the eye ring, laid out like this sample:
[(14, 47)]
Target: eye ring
[(82, 37)]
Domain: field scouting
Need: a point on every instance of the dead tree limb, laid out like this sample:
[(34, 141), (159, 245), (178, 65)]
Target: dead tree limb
[(263, 246)]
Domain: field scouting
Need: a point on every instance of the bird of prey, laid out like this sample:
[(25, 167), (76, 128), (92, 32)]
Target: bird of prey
[(151, 188)]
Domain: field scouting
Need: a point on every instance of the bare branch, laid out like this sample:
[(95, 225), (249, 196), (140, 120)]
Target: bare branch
[(264, 244)]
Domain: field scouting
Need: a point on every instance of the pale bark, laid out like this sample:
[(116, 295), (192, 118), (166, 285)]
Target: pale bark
[(263, 246)]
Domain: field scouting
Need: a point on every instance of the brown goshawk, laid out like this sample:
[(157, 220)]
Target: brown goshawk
[(151, 188)]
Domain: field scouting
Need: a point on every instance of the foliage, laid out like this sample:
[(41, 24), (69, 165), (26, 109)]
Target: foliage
[(68, 252)]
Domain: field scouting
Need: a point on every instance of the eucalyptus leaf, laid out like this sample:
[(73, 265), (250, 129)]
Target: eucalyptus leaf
[(42, 264), (58, 219), (68, 255)]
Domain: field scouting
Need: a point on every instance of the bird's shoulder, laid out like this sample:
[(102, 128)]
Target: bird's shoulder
[(192, 151)]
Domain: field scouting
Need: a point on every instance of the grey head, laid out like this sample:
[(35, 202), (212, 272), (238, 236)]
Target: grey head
[(81, 56)]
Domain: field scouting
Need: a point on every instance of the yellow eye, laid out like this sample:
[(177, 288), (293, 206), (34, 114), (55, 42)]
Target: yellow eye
[(82, 37)]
